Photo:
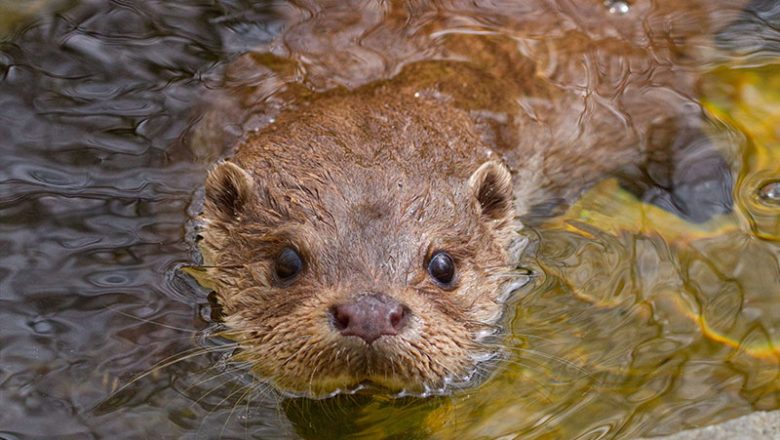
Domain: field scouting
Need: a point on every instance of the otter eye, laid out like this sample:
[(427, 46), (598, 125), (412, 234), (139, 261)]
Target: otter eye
[(442, 268), (288, 264)]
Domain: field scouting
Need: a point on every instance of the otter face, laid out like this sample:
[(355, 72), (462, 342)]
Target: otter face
[(330, 280)]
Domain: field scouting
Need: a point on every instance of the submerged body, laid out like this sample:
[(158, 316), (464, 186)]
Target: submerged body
[(367, 232)]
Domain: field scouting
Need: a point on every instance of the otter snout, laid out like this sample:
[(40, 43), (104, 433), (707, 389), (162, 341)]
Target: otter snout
[(369, 317)]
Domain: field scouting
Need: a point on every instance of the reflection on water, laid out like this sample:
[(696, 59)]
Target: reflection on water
[(639, 322)]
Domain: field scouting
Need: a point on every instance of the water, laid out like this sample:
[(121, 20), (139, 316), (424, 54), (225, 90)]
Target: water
[(638, 323)]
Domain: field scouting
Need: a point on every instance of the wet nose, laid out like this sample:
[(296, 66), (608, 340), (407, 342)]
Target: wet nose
[(369, 317)]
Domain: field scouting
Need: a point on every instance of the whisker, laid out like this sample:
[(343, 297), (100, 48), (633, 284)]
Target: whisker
[(211, 390), (214, 266), (167, 362), (540, 387), (561, 360), (149, 321), (217, 406), (249, 389)]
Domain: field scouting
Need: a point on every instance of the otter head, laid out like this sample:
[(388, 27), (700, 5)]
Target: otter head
[(337, 267)]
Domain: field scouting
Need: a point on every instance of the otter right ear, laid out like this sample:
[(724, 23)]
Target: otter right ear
[(228, 188), (491, 184)]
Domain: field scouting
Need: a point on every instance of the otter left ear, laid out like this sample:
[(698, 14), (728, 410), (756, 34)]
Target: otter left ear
[(228, 188), (491, 184)]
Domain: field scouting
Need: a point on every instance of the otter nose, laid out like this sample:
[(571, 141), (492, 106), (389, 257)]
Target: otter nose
[(370, 317)]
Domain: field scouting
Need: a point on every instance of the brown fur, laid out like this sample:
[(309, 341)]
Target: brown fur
[(367, 180)]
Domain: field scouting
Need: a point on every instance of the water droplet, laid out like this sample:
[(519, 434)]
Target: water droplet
[(770, 193), (42, 326), (617, 7)]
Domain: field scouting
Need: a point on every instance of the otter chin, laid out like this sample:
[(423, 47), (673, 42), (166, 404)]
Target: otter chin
[(341, 258)]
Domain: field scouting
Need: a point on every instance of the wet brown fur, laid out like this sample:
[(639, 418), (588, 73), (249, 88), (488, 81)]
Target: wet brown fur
[(367, 179)]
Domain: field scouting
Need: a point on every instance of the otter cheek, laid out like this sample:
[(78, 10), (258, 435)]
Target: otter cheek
[(488, 313)]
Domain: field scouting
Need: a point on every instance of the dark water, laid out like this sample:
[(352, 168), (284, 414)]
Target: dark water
[(95, 201), (642, 324)]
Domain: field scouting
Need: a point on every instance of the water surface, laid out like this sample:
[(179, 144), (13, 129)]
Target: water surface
[(638, 323)]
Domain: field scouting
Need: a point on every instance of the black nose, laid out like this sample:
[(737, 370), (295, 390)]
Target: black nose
[(369, 317)]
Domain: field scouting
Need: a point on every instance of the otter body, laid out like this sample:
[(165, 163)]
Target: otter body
[(365, 231)]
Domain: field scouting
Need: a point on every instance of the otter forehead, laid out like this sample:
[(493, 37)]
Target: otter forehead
[(372, 133), (374, 222)]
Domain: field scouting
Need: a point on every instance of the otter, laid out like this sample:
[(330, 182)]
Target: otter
[(366, 232)]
